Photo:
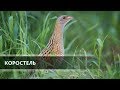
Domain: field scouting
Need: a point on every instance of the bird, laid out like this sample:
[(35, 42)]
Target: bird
[(55, 44)]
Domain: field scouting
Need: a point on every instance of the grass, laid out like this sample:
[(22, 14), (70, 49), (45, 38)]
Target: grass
[(89, 34)]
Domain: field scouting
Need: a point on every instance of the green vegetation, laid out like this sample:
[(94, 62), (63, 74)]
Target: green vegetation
[(91, 33)]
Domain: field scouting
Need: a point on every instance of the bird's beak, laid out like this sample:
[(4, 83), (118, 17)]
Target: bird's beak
[(69, 17)]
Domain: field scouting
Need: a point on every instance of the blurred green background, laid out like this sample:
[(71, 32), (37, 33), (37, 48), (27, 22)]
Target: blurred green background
[(95, 33)]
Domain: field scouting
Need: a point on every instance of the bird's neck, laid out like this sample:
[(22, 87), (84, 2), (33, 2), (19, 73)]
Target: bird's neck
[(58, 32)]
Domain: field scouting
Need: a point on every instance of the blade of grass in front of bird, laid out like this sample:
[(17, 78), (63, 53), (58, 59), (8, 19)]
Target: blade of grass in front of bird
[(69, 24)]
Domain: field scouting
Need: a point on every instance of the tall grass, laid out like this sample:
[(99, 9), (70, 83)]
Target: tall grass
[(89, 34), (14, 33)]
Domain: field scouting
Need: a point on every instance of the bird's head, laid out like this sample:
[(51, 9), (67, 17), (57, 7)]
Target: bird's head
[(64, 19)]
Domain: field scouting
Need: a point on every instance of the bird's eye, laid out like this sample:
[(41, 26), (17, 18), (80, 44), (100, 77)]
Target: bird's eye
[(63, 17)]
